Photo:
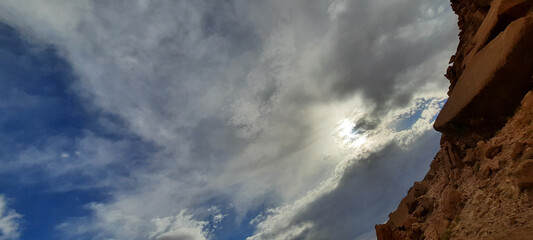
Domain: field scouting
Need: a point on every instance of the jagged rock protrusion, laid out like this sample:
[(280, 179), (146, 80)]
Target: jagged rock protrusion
[(496, 73)]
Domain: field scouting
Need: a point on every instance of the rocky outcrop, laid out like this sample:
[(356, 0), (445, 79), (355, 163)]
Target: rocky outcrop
[(495, 72), (480, 184)]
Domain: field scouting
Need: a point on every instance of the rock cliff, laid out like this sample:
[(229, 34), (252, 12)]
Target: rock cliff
[(480, 184)]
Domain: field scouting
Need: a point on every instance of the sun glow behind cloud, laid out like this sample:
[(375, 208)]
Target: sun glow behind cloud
[(275, 222), (348, 134)]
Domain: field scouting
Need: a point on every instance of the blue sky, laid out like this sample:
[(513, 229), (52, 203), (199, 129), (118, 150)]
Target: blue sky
[(216, 120), (38, 104)]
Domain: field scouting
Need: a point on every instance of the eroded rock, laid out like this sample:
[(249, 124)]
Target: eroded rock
[(496, 72), (524, 174)]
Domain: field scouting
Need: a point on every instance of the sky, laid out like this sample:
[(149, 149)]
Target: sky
[(216, 120)]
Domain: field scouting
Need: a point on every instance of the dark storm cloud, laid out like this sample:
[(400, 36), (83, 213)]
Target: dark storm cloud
[(369, 51), (224, 18), (365, 124)]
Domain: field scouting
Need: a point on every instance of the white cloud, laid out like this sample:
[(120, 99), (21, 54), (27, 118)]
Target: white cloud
[(95, 159), (122, 223), (179, 227), (9, 221), (240, 99)]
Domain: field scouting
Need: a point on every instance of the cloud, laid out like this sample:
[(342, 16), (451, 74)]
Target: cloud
[(364, 188), (87, 161), (361, 198), (237, 99), (120, 224), (180, 227), (9, 221), (375, 41)]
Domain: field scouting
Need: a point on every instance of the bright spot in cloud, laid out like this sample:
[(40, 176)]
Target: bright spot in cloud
[(348, 135)]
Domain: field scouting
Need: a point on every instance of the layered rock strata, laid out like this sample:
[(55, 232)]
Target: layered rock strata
[(480, 184)]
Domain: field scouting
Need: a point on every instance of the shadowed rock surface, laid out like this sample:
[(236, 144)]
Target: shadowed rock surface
[(480, 184)]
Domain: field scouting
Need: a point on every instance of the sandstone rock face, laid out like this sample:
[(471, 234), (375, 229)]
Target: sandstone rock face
[(495, 73), (480, 185)]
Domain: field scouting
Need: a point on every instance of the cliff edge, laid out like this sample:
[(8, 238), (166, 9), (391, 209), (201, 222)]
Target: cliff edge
[(480, 184)]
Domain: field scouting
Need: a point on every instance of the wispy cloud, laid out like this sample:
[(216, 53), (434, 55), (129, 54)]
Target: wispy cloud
[(9, 221)]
